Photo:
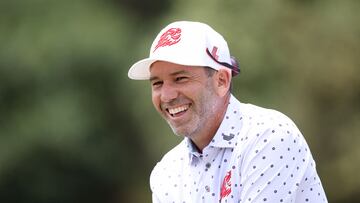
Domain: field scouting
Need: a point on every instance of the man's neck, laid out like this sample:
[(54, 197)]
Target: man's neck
[(202, 139)]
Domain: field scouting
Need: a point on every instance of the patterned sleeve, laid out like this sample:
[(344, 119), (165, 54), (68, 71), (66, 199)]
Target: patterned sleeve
[(155, 199), (154, 178), (279, 168)]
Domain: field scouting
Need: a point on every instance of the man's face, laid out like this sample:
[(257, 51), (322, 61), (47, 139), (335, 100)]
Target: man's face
[(184, 96)]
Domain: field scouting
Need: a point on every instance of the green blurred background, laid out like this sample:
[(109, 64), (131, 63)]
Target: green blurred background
[(74, 128)]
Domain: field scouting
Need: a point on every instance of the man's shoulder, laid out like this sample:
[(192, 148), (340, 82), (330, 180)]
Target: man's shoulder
[(261, 115), (258, 121), (171, 160), (167, 170), (174, 154)]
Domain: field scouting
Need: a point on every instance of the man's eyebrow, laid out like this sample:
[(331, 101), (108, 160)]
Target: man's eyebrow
[(179, 72), (152, 78)]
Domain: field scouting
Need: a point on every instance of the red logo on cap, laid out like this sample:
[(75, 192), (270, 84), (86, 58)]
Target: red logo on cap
[(226, 185), (170, 37)]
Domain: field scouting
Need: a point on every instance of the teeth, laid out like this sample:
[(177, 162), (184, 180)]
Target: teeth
[(178, 109)]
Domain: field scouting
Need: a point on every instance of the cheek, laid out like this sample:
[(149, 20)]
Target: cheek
[(155, 100), (193, 93)]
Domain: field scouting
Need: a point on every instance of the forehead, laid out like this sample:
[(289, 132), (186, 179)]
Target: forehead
[(163, 68)]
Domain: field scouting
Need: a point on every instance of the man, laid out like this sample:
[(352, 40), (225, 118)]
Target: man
[(231, 152)]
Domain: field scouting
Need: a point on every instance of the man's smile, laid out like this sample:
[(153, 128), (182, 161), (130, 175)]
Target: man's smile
[(178, 111)]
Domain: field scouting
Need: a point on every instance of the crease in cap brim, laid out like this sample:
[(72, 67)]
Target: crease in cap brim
[(141, 69)]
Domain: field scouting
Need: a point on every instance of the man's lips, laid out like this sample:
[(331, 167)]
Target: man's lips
[(176, 111)]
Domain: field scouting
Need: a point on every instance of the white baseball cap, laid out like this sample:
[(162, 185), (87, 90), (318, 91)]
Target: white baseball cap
[(186, 43)]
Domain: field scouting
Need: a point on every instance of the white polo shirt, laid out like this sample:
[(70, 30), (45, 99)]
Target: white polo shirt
[(257, 155)]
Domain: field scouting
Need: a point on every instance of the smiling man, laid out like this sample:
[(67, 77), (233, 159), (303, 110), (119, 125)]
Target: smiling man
[(189, 99), (231, 152)]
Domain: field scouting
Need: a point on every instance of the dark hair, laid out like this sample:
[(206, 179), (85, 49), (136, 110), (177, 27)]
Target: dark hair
[(210, 72)]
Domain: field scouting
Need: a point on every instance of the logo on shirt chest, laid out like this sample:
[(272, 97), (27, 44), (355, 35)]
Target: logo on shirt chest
[(226, 185), (228, 137)]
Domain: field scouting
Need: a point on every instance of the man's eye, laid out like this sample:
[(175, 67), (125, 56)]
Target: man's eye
[(181, 78), (156, 84)]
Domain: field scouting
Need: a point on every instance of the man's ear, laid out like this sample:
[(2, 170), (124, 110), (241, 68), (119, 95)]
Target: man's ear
[(223, 81)]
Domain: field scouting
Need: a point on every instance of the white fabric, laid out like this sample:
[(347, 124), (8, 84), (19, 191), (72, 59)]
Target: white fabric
[(187, 47), (267, 156)]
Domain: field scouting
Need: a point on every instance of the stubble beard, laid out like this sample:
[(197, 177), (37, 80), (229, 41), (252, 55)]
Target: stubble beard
[(203, 112)]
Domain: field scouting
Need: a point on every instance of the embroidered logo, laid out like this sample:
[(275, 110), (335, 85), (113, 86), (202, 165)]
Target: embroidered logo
[(228, 137), (170, 37), (226, 185)]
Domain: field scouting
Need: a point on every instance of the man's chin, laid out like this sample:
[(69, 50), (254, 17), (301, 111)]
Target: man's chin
[(184, 129), (180, 131)]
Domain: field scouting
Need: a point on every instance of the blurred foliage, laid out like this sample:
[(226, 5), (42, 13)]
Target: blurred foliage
[(74, 128)]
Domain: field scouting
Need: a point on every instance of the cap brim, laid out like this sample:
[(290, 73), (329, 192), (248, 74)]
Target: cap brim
[(141, 69)]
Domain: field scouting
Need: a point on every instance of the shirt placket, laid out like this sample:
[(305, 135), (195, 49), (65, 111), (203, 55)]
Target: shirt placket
[(210, 187)]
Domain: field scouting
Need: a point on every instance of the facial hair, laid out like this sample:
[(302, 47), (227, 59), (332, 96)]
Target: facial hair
[(203, 111)]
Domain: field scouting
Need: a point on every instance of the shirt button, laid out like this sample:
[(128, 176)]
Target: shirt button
[(207, 165), (207, 188)]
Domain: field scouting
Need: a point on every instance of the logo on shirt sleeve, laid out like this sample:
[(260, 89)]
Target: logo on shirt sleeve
[(226, 185)]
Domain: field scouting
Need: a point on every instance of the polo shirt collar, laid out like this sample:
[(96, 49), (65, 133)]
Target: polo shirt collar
[(226, 135)]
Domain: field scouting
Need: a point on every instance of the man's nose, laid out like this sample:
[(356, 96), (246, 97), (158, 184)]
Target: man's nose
[(168, 93)]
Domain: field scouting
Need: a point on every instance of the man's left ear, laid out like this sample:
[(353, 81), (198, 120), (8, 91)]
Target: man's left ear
[(223, 80)]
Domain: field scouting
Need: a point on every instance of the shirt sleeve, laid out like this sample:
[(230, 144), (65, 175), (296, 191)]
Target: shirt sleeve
[(154, 178), (278, 167), (155, 198)]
